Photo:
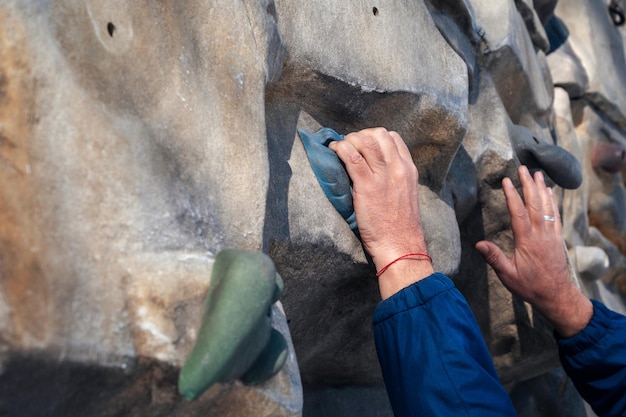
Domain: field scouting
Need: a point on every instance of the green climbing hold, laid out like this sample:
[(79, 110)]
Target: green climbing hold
[(269, 362), (236, 337), (278, 289)]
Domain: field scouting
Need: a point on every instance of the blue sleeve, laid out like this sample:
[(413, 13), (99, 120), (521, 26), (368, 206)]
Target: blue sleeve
[(433, 357), (595, 360)]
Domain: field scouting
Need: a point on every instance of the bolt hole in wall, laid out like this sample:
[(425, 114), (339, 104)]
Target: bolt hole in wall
[(110, 29), (375, 11)]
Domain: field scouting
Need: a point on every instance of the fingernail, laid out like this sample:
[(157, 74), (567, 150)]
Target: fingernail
[(524, 170), (549, 190), (540, 176)]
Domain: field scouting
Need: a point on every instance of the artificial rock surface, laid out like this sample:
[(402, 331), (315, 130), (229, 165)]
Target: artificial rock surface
[(139, 139)]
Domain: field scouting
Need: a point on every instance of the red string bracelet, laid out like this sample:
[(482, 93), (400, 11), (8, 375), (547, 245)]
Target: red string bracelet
[(408, 255)]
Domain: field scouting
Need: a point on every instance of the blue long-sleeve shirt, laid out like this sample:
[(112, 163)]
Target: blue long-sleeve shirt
[(435, 361), (595, 360)]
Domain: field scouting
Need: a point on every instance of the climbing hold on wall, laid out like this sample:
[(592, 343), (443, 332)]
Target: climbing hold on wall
[(236, 339), (609, 157), (269, 362), (561, 166), (557, 33), (330, 172)]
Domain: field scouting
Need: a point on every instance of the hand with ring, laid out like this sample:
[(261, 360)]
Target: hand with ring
[(538, 271)]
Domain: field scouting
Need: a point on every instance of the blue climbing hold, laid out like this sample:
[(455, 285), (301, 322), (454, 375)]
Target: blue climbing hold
[(330, 172)]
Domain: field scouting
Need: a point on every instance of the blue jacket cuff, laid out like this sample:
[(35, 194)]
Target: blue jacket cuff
[(412, 296)]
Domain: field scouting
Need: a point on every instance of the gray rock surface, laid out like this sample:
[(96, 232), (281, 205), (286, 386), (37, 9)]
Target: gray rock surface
[(599, 46), (120, 189), (138, 139)]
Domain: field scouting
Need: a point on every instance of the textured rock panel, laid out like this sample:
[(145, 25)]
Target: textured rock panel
[(139, 139)]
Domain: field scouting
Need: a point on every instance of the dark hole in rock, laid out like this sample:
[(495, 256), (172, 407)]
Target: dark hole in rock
[(375, 11), (110, 29)]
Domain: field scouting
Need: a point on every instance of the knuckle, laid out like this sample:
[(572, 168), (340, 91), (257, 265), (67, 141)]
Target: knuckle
[(371, 145), (356, 157), (354, 136), (405, 170), (369, 142), (520, 215), (492, 258), (341, 144), (534, 205), (379, 131)]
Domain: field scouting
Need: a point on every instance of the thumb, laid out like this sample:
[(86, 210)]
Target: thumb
[(496, 258)]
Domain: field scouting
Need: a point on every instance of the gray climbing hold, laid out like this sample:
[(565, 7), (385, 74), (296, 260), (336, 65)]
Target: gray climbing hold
[(561, 166)]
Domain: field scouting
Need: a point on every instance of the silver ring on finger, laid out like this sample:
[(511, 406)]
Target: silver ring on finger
[(548, 218)]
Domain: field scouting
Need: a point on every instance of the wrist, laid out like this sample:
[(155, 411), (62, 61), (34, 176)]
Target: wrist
[(416, 256), (403, 273), (572, 316), (384, 256)]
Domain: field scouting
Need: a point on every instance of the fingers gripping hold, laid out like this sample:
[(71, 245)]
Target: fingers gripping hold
[(355, 163), (367, 147)]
